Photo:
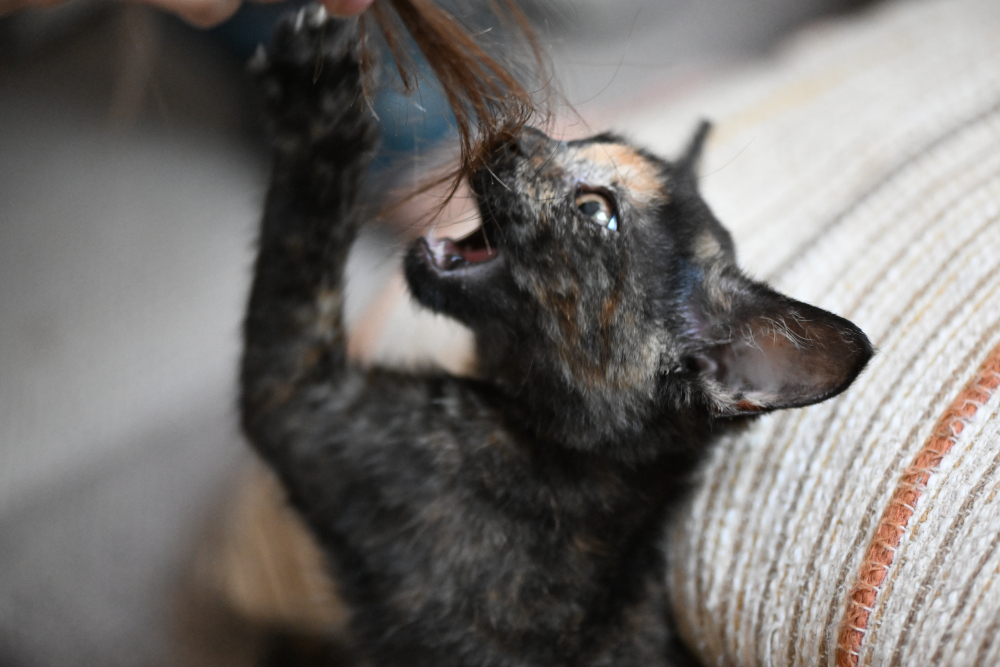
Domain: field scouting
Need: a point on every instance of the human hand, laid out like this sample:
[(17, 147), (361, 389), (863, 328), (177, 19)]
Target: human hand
[(202, 13)]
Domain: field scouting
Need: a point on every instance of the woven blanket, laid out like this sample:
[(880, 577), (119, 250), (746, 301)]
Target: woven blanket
[(860, 172)]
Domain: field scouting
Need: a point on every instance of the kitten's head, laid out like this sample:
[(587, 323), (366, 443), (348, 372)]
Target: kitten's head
[(602, 289)]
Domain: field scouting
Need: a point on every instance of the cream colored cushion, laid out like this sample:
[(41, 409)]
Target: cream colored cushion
[(860, 171)]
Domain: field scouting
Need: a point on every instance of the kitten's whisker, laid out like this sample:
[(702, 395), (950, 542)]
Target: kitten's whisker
[(506, 187), (493, 219), (544, 164), (621, 61), (734, 158), (463, 220), (613, 163), (527, 374)]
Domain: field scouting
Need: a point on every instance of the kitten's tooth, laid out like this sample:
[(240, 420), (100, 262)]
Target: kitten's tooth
[(300, 19), (436, 247)]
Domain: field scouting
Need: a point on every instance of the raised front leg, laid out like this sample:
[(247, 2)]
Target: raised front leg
[(322, 139), (461, 539)]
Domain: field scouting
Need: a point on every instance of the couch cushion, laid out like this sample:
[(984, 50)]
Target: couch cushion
[(860, 171)]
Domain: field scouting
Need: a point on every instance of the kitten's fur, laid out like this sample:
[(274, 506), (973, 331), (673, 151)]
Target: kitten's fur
[(516, 518)]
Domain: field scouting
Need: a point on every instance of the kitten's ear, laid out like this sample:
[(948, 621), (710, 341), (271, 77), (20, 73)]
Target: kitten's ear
[(778, 353), (686, 167)]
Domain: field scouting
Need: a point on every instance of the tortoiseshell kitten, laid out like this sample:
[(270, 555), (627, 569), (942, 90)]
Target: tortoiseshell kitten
[(515, 518)]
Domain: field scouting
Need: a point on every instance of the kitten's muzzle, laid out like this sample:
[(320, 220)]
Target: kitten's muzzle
[(450, 255)]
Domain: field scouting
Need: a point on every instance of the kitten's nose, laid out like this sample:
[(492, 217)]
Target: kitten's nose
[(525, 144), (529, 141)]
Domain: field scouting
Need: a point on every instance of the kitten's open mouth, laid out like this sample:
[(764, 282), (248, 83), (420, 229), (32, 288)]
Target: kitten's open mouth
[(455, 254)]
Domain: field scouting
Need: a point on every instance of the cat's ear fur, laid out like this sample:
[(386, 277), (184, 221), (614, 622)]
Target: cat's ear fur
[(768, 352), (761, 350)]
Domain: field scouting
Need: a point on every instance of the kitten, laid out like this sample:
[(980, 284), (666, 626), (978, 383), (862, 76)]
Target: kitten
[(515, 518)]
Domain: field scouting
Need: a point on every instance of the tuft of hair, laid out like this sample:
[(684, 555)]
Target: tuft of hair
[(489, 103)]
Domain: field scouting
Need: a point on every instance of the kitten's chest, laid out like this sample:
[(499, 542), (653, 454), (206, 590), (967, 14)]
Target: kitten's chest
[(531, 540), (475, 534)]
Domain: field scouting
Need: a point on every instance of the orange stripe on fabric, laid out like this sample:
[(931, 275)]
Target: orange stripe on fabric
[(896, 516)]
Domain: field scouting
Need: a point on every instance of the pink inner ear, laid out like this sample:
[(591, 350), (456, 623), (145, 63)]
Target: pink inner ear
[(762, 363), (790, 362), (764, 366)]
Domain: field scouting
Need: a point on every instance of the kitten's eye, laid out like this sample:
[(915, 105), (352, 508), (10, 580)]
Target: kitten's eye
[(598, 208)]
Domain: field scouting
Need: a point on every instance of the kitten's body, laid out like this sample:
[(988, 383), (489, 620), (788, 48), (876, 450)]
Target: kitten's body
[(514, 519)]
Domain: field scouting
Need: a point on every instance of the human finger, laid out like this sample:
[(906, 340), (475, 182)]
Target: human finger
[(201, 13), (344, 8)]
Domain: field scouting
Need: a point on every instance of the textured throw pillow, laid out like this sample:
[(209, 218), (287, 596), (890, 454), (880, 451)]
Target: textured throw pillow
[(859, 170)]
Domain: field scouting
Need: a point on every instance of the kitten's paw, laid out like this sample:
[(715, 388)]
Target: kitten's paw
[(310, 82)]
